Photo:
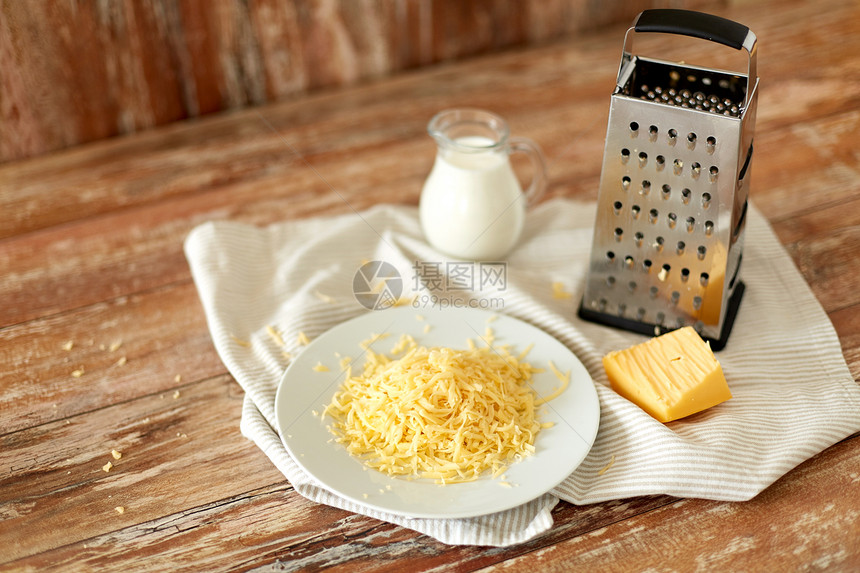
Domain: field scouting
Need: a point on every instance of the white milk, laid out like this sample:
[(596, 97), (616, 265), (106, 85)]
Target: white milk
[(472, 206)]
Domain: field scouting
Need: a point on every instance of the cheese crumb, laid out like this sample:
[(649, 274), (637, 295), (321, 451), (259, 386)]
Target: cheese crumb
[(275, 335), (320, 367), (121, 361), (176, 395), (68, 345), (607, 466), (558, 291), (240, 342), (114, 346), (107, 466), (177, 378), (116, 454), (324, 297), (427, 328), (78, 373), (119, 509), (303, 339), (565, 382)]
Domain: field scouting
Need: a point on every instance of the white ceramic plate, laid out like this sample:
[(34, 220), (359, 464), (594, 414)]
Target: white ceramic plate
[(303, 394)]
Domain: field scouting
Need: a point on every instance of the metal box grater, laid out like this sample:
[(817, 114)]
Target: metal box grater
[(671, 209)]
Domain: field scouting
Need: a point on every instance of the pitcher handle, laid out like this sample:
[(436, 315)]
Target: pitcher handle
[(538, 185)]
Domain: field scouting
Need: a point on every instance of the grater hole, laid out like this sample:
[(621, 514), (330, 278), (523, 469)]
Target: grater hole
[(661, 162), (622, 308), (686, 194), (706, 200), (629, 262), (697, 302), (680, 247), (625, 155), (658, 243), (610, 281), (625, 182), (672, 219), (653, 292), (619, 232), (631, 286), (640, 313), (712, 144), (637, 237), (660, 317), (643, 159), (667, 191), (685, 275), (691, 224), (713, 172), (646, 265), (701, 252), (675, 297), (617, 207), (677, 166), (635, 210), (601, 304), (696, 169), (691, 140), (709, 228), (652, 133), (652, 215), (673, 136), (610, 256), (646, 187), (664, 272), (703, 279), (634, 127)]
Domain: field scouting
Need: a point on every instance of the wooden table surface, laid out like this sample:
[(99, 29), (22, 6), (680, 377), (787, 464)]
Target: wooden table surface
[(104, 346)]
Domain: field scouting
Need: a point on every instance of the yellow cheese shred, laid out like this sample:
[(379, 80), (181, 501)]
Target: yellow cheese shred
[(438, 413)]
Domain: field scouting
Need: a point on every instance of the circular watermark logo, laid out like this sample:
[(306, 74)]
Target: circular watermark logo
[(377, 285)]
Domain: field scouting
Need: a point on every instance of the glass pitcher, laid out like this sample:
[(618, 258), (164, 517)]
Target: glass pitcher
[(472, 206)]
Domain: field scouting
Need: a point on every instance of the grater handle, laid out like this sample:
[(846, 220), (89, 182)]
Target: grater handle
[(697, 25)]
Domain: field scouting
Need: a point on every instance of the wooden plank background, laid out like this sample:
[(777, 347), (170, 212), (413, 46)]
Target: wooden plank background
[(77, 71), (92, 254)]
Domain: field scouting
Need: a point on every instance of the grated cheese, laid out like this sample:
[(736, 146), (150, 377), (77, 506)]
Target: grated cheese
[(324, 297), (320, 367), (276, 336), (607, 466), (303, 339), (558, 291), (240, 342), (565, 382), (438, 413)]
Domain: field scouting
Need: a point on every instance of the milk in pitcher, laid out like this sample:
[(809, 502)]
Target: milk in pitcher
[(472, 206)]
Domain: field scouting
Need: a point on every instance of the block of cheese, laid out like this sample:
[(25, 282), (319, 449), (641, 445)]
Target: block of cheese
[(670, 376)]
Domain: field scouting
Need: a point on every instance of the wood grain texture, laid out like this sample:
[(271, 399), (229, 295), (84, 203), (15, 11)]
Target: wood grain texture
[(74, 72), (91, 252)]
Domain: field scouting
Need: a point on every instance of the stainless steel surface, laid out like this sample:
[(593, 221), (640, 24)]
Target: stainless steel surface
[(669, 230)]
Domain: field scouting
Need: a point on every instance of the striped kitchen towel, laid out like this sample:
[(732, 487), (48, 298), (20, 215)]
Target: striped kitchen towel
[(793, 394)]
